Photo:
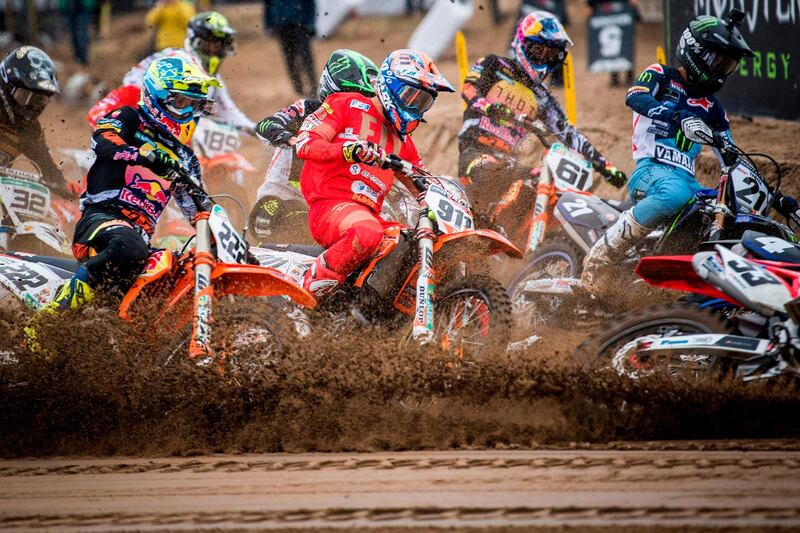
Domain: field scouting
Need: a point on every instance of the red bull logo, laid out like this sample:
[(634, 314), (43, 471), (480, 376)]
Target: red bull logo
[(152, 189)]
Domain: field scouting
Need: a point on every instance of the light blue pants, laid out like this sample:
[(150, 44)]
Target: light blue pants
[(659, 192)]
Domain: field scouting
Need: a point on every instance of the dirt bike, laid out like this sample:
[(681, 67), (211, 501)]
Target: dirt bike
[(757, 336), (27, 219), (426, 272), (281, 214), (186, 284), (742, 200)]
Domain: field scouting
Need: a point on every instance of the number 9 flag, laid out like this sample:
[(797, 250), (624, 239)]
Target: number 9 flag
[(611, 37)]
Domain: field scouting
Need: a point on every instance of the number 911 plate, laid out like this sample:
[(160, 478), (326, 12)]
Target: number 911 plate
[(451, 217)]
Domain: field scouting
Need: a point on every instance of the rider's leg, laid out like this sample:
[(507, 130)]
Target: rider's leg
[(116, 254), (351, 232), (660, 192)]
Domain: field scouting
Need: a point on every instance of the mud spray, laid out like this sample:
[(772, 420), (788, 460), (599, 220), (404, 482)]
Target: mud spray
[(103, 388)]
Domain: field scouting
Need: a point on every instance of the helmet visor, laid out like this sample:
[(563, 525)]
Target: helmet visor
[(544, 54), (183, 106), (415, 100), (31, 100), (720, 65)]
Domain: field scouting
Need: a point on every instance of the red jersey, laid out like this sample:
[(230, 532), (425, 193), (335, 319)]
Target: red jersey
[(326, 175)]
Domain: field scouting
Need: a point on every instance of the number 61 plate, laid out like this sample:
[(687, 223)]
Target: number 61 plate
[(568, 168)]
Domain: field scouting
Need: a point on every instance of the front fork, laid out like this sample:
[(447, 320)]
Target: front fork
[(720, 210), (422, 331), (544, 193), (200, 343)]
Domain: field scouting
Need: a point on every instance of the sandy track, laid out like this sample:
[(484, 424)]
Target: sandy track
[(580, 488)]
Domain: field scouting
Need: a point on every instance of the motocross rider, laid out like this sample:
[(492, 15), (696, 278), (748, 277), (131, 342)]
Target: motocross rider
[(341, 142), (667, 104), (279, 197), (129, 185), (27, 82), (500, 93), (209, 40)]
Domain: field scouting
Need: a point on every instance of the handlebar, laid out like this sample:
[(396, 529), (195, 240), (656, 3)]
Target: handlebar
[(417, 175)]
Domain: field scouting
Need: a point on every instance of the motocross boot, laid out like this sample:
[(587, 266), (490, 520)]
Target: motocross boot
[(320, 280), (73, 294), (599, 274)]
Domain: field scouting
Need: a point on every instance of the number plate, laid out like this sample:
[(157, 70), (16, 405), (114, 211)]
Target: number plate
[(568, 168), (451, 217), (230, 245), (752, 195), (213, 138), (33, 283), (25, 199)]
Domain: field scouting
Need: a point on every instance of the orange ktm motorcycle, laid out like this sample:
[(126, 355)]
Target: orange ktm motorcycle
[(431, 273), (183, 286)]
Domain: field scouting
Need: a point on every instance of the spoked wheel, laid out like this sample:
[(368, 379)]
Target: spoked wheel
[(618, 344), (535, 299), (473, 317)]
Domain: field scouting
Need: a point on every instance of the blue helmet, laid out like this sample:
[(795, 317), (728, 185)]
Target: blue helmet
[(408, 84), (540, 44), (175, 93)]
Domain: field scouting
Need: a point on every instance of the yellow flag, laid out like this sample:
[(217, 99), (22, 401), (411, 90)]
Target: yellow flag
[(661, 57), (569, 90), (462, 60)]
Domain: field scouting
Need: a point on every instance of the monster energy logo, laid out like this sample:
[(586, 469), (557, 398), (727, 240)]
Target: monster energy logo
[(645, 76), (339, 65), (705, 22), (683, 144)]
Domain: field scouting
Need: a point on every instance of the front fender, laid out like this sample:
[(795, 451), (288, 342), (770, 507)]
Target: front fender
[(477, 243), (256, 280)]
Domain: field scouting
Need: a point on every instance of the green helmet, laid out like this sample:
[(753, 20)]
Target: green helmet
[(347, 71), (210, 37)]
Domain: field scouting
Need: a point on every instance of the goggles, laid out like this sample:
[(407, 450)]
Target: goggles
[(720, 65), (215, 47), (32, 100), (182, 105), (543, 54), (415, 100)]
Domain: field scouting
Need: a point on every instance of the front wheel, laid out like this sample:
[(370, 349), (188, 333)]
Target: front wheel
[(616, 343), (473, 316), (535, 299)]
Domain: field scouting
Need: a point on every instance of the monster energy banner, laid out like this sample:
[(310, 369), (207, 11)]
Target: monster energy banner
[(611, 37), (767, 84)]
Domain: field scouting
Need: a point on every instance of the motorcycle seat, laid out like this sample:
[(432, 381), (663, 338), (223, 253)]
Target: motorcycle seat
[(64, 263), (619, 205), (773, 249), (303, 249)]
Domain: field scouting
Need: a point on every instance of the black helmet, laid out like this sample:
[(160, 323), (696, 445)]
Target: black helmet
[(347, 71), (28, 81), (710, 50), (210, 37)]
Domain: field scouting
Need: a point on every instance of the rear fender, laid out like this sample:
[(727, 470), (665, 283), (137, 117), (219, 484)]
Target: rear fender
[(230, 160), (677, 273)]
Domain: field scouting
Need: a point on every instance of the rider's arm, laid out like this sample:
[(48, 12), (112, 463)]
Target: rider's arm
[(183, 199), (478, 81), (554, 118), (109, 139), (34, 146), (316, 141), (278, 128), (641, 96), (228, 112)]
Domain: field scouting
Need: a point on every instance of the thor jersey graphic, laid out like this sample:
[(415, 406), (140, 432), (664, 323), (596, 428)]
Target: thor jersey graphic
[(348, 117)]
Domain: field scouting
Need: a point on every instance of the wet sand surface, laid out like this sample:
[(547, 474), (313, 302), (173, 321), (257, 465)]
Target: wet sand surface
[(476, 488)]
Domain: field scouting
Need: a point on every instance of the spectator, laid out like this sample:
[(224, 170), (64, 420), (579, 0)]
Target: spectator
[(79, 16), (293, 24), (170, 19)]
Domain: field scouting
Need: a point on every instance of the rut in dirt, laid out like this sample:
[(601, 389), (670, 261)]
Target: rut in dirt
[(105, 390)]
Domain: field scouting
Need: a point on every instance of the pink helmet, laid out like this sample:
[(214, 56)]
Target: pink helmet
[(540, 44)]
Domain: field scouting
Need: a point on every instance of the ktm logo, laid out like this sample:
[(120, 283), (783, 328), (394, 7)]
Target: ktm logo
[(705, 103)]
